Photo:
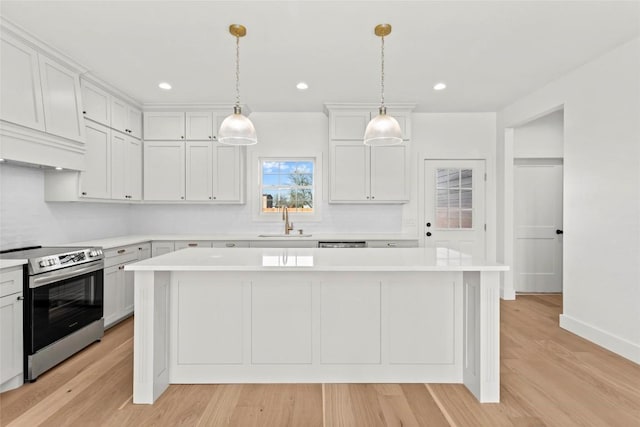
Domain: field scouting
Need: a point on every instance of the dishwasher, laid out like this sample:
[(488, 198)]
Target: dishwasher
[(346, 244)]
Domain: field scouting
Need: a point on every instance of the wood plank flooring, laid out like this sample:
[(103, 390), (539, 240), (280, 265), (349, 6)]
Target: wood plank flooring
[(549, 377)]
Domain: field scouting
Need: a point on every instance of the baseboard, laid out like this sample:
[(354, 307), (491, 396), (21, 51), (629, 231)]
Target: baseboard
[(507, 294), (618, 345)]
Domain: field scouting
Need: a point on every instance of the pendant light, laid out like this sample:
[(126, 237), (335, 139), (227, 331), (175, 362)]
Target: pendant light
[(382, 129), (237, 129)]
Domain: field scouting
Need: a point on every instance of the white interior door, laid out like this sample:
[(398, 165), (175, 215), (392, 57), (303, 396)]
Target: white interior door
[(538, 227), (454, 210)]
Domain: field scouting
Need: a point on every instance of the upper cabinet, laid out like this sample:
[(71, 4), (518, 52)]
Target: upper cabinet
[(61, 100), (20, 92), (96, 103), (41, 114), (102, 107), (179, 126), (364, 174)]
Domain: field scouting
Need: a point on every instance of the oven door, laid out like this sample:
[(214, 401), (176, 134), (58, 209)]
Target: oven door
[(62, 302)]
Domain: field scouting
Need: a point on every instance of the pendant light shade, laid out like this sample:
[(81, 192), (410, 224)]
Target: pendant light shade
[(382, 129), (237, 129)]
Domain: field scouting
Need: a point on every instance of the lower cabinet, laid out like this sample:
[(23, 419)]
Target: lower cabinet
[(119, 284), (162, 247), (11, 306)]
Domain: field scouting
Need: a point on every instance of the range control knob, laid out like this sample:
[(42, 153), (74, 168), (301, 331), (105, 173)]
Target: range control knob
[(42, 263)]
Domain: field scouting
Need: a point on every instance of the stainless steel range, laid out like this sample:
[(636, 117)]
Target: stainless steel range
[(63, 310)]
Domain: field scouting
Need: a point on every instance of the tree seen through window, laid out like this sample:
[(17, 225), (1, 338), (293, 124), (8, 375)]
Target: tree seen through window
[(287, 183)]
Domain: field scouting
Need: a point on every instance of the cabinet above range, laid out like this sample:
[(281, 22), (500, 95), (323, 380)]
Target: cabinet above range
[(102, 107)]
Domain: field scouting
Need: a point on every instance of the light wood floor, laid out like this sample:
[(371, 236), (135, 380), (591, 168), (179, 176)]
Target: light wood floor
[(549, 377)]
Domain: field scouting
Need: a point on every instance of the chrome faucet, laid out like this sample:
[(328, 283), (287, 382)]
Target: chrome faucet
[(285, 217)]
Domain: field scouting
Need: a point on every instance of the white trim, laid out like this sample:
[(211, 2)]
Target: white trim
[(620, 346), (219, 108), (112, 90)]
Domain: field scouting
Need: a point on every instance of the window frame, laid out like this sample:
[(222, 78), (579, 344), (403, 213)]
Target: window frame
[(256, 190)]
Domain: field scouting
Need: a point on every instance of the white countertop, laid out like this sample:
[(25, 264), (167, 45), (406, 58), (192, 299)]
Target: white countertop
[(114, 242), (312, 259), (7, 263)]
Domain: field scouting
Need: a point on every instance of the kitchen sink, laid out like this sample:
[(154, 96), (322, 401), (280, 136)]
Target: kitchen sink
[(284, 235)]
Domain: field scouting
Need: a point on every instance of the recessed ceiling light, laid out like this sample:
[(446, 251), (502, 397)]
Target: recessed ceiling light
[(58, 168), (440, 86), (302, 86), (164, 86)]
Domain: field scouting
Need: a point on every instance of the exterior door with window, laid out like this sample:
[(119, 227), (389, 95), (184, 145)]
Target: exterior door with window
[(454, 211)]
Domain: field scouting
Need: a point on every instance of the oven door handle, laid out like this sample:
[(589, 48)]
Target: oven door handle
[(58, 275)]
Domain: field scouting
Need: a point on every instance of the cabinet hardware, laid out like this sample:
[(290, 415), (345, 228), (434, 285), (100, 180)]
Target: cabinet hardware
[(367, 197), (214, 197), (230, 245), (373, 197), (182, 137), (121, 251), (210, 138), (559, 232), (84, 112), (20, 298), (121, 267), (210, 197), (392, 245), (84, 193), (182, 198)]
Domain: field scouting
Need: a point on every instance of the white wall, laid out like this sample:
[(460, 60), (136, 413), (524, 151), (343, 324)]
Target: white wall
[(601, 194), (541, 138), (25, 219)]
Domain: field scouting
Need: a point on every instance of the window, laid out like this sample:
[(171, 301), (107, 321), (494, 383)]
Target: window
[(454, 204), (287, 183)]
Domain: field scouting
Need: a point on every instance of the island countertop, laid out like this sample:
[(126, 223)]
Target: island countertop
[(313, 259)]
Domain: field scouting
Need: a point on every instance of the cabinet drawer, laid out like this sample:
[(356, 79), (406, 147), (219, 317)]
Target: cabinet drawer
[(392, 244), (230, 244), (10, 281), (193, 244), (121, 255)]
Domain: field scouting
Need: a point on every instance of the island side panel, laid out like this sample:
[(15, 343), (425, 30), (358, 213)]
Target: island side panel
[(151, 336), (481, 354), (288, 319)]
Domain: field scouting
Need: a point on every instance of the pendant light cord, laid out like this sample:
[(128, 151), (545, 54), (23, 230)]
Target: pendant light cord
[(237, 71), (382, 75)]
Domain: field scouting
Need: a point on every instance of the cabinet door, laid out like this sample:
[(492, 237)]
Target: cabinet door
[(144, 251), (133, 168), (198, 178), (164, 170), (20, 93), (134, 122), (192, 244), (161, 248), (227, 173), (96, 103), (113, 295), (61, 100), (349, 177), (10, 336), (118, 166), (349, 125), (95, 180), (118, 115), (200, 125), (389, 173), (164, 126)]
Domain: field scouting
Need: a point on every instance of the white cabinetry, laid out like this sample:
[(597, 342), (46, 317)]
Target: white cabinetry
[(230, 244), (199, 170), (164, 170), (126, 118), (95, 180), (290, 243), (178, 125), (161, 248), (20, 92), (11, 306), (192, 244), (118, 284), (365, 174), (126, 175), (96, 103), (228, 173), (392, 243), (160, 126), (41, 114)]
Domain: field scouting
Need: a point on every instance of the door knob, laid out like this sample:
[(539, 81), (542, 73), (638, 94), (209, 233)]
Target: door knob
[(428, 234), (559, 232), (428, 224)]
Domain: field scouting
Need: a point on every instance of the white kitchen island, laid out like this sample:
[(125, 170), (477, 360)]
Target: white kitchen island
[(255, 315)]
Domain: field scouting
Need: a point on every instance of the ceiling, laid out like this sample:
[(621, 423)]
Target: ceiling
[(489, 53)]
